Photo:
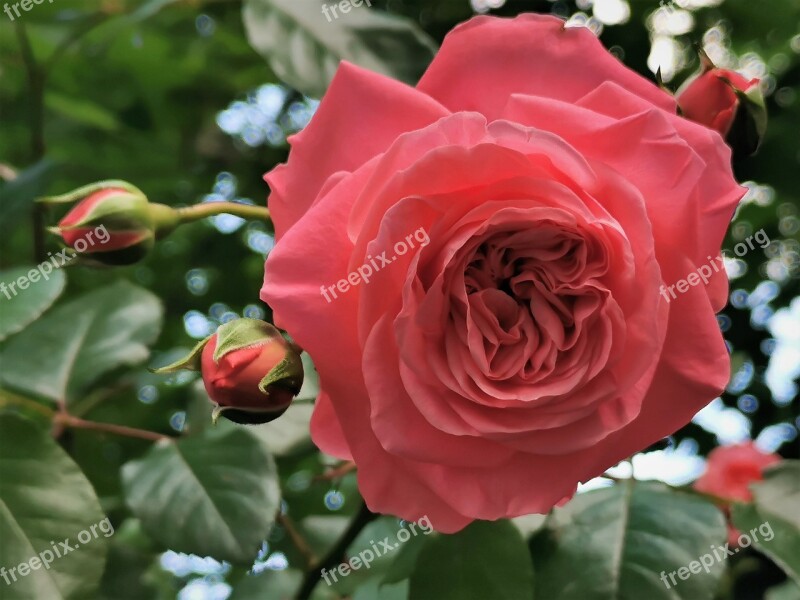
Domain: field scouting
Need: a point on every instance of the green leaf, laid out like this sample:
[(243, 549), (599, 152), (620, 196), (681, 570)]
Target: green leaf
[(779, 493), (131, 556), (17, 310), (374, 590), (65, 351), (289, 433), (484, 560), (619, 542), (323, 531), (775, 515), (214, 495), (269, 585), (276, 585), (775, 512), (81, 111), (372, 553), (788, 590), (304, 48), (771, 535), (44, 500), (404, 562)]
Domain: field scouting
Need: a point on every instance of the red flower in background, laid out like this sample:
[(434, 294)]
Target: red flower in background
[(731, 470)]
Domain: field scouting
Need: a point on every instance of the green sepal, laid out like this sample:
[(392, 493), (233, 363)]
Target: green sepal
[(189, 362), (288, 374), (123, 211), (706, 64), (242, 333), (86, 190)]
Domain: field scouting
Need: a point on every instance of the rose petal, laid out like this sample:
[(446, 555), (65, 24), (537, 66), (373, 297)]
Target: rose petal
[(352, 134), (485, 60)]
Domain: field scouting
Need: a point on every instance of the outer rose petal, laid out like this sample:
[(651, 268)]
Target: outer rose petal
[(485, 60), (326, 431), (352, 136), (694, 367)]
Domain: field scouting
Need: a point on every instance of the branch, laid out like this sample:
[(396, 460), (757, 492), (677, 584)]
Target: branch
[(337, 472), (36, 86), (335, 556), (297, 539), (68, 420)]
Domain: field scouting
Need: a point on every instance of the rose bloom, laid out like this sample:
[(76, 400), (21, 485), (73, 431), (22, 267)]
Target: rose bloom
[(526, 347), (731, 470), (711, 100)]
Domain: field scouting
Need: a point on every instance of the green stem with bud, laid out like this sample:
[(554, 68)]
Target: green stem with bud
[(209, 209)]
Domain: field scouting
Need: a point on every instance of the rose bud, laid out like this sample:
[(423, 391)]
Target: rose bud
[(249, 370), (112, 222), (727, 102), (731, 470)]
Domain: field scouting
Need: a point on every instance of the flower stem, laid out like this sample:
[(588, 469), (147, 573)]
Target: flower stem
[(298, 540), (68, 420), (210, 209), (337, 554)]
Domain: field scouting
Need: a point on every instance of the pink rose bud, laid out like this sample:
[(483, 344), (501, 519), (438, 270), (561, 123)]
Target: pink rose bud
[(727, 102), (112, 222), (250, 371), (731, 470)]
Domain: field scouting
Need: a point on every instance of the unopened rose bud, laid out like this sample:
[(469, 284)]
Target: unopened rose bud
[(112, 222), (729, 103), (249, 371)]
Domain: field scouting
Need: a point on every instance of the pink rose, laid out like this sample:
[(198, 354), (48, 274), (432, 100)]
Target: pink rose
[(525, 347), (710, 99), (731, 470)]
